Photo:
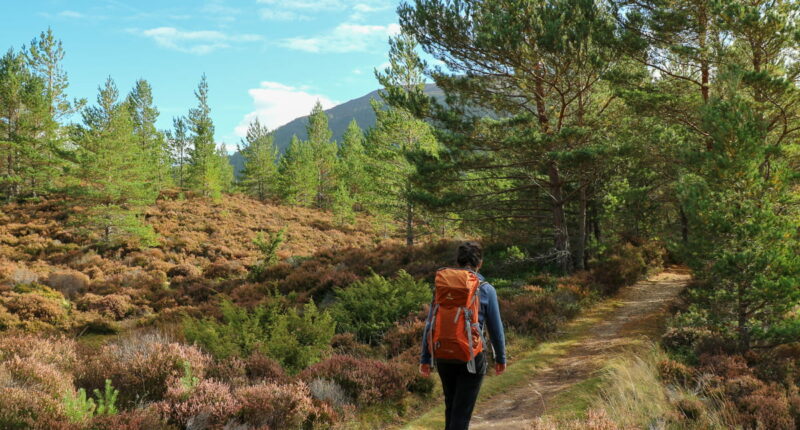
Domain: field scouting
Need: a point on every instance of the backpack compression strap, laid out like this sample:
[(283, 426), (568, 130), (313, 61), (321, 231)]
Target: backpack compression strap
[(471, 366)]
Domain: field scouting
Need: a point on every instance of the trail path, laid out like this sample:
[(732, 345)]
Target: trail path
[(600, 334)]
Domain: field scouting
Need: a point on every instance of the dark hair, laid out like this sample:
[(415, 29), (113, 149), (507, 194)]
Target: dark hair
[(469, 254)]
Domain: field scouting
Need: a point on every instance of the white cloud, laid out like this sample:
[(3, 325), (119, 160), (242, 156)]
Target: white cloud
[(344, 38), (293, 10), (195, 42), (71, 14), (305, 4), (220, 12), (276, 104), (281, 15)]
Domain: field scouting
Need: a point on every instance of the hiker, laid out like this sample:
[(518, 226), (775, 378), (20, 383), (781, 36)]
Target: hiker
[(453, 341)]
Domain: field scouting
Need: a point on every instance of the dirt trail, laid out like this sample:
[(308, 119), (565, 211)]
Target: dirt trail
[(638, 311)]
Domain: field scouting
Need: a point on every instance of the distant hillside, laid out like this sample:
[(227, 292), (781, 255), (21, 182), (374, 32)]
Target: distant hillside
[(338, 117)]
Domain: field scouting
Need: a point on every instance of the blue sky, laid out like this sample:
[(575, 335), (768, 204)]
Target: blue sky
[(270, 59)]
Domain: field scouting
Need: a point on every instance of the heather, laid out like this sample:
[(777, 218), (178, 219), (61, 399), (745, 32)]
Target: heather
[(146, 282)]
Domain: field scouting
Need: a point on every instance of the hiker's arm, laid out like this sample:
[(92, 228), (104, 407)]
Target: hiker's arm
[(425, 355), (495, 326)]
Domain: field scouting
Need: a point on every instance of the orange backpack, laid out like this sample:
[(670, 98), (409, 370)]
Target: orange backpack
[(454, 332)]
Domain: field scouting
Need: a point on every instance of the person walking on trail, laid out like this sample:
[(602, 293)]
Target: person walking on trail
[(453, 341)]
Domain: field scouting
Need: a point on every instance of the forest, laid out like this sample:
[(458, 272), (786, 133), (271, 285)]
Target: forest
[(587, 144)]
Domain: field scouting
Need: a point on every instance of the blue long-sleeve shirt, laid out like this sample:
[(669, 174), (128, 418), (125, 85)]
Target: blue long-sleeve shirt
[(489, 314)]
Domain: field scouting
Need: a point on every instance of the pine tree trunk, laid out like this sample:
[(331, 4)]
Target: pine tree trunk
[(742, 331), (580, 252), (684, 225), (559, 219), (409, 224)]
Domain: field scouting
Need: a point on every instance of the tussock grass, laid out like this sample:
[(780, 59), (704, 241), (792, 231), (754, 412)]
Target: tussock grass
[(631, 395)]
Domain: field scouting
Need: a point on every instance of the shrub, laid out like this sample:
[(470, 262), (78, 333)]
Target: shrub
[(269, 252), (238, 334), (275, 406), (7, 319), (58, 351), (298, 340), (623, 265), (141, 367), (77, 407), (68, 282), (232, 371), (262, 368), (92, 322), (537, 313), (347, 344), (209, 401), (33, 307), (224, 269), (41, 290), (403, 336), (691, 408), (370, 307), (674, 372), (22, 275), (23, 409), (115, 306), (38, 376), (364, 380), (185, 270), (134, 419), (766, 408), (329, 392)]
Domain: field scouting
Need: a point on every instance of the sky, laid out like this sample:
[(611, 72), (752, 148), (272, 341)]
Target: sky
[(271, 59)]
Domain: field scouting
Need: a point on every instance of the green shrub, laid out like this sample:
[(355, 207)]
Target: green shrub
[(107, 399), (238, 334), (293, 338), (370, 307), (77, 407), (298, 340), (269, 252)]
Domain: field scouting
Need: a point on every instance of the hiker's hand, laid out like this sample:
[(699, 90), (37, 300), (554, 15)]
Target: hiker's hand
[(499, 368), (425, 370)]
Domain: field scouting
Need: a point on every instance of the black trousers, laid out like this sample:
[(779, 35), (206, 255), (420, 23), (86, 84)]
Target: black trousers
[(460, 391)]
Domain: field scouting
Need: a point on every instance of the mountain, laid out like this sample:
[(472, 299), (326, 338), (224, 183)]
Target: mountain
[(338, 118)]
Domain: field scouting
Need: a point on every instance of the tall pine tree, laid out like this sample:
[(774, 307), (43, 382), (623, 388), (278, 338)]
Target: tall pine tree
[(204, 168), (324, 152), (260, 174), (398, 137), (298, 174), (153, 142), (113, 173)]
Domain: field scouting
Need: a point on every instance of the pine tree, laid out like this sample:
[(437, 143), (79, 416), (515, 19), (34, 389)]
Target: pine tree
[(44, 58), (744, 237), (526, 91), (113, 173), (260, 154), (226, 175), (204, 169), (398, 136), (179, 145), (351, 165), (298, 174), (28, 161), (153, 142), (324, 152)]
